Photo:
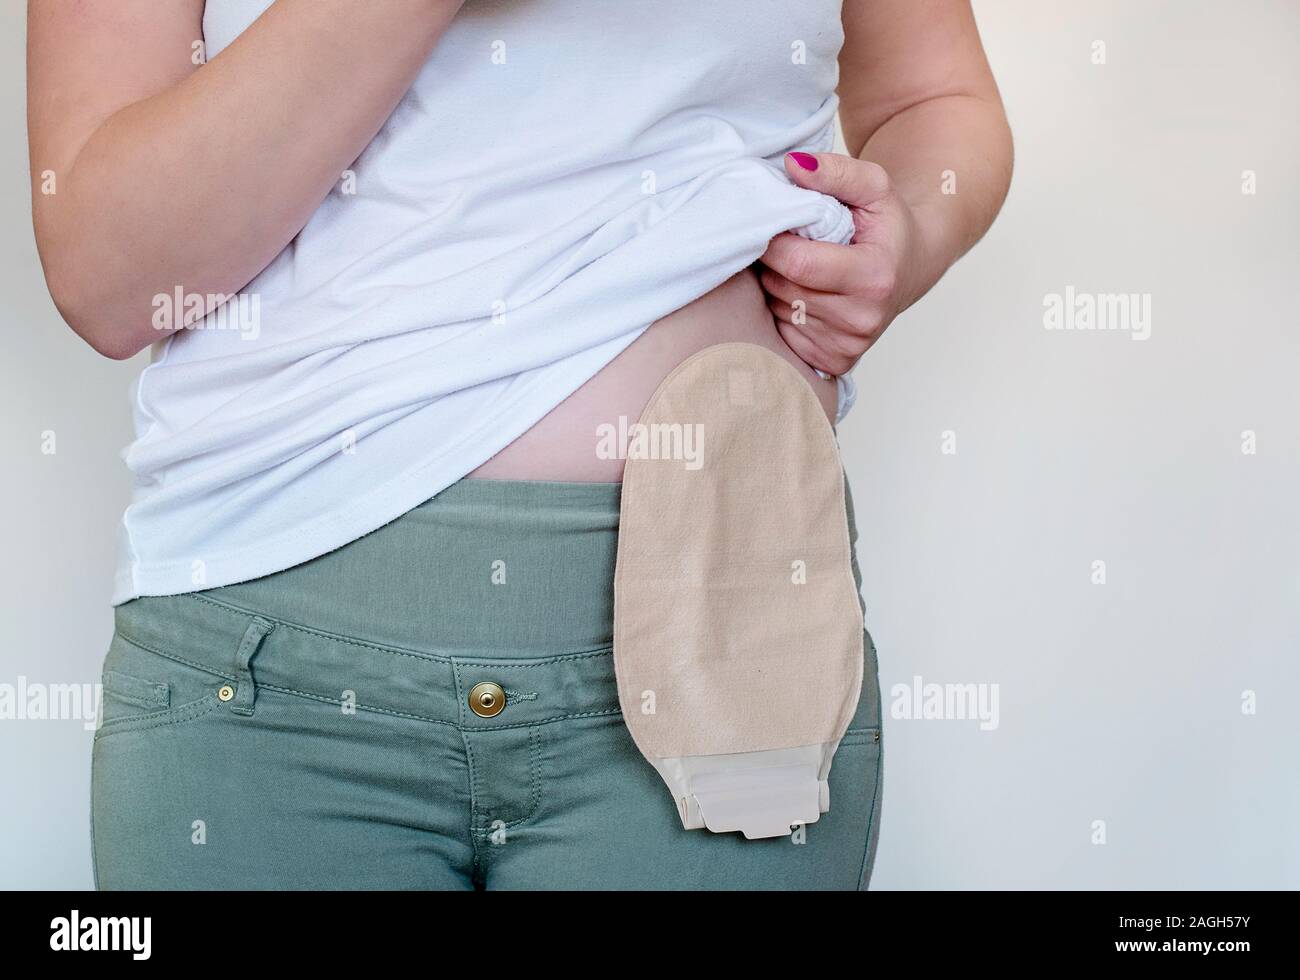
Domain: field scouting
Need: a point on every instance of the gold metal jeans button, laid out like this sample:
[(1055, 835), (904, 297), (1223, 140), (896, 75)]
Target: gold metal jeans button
[(225, 692), (487, 699)]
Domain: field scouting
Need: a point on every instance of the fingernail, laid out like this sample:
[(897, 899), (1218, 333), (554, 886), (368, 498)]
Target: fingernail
[(805, 160)]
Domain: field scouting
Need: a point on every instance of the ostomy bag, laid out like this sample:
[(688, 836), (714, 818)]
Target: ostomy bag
[(737, 626)]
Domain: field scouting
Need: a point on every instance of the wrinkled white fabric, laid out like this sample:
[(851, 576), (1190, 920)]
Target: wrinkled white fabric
[(561, 174)]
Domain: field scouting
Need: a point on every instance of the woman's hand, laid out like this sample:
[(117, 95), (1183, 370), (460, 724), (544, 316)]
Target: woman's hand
[(831, 302), (918, 100)]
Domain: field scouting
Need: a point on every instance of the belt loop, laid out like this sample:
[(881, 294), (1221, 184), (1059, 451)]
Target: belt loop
[(246, 691)]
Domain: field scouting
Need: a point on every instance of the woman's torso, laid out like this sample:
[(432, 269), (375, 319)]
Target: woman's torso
[(561, 175), (566, 444)]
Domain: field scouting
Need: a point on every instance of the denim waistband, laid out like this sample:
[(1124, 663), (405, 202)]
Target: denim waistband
[(488, 581), (298, 659)]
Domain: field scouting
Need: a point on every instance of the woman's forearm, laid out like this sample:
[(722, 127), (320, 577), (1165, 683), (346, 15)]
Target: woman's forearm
[(200, 186), (950, 159)]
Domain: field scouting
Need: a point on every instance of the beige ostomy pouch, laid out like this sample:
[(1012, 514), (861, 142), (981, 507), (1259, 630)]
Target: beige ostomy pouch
[(737, 626)]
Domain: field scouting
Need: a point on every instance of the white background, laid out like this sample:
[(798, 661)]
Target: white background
[(1119, 702)]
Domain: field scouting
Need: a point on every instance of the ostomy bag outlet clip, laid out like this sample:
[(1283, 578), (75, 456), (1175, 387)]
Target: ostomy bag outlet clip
[(738, 641)]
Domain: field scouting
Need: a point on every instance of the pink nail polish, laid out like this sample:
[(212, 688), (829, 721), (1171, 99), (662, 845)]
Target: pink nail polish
[(805, 160)]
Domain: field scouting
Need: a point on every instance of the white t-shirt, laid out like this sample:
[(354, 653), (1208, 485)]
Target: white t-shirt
[(562, 174)]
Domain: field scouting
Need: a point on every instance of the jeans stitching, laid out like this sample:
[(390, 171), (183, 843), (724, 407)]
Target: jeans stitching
[(117, 688), (439, 721), (534, 790), (171, 656), (551, 720), (184, 713), (473, 803), (602, 651), (547, 662), (360, 707)]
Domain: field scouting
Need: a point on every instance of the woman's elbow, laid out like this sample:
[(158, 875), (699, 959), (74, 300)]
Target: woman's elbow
[(93, 314), (111, 344)]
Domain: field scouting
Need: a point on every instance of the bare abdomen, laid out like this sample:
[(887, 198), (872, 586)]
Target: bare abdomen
[(563, 445)]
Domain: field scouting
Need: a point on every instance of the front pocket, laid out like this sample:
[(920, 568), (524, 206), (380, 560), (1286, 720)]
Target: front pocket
[(191, 711), (147, 689), (134, 690)]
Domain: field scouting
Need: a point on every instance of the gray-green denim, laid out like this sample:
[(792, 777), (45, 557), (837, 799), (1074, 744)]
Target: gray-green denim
[(311, 730)]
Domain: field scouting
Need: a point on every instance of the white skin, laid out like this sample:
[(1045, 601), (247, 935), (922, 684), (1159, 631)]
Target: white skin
[(120, 113), (169, 172)]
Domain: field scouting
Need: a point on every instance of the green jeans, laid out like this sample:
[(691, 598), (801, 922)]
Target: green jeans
[(311, 729)]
